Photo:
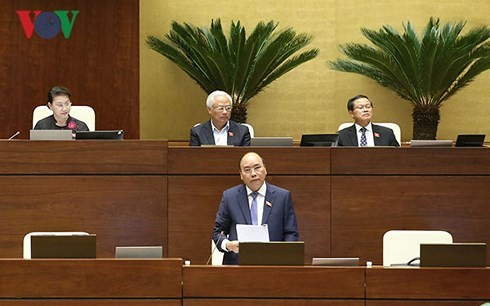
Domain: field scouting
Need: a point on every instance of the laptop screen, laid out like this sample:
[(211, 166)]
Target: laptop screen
[(51, 135), (139, 252), (272, 141), (72, 246), (274, 253), (470, 140), (319, 140)]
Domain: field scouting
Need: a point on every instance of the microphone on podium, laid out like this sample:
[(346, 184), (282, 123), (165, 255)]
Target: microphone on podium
[(214, 249), (15, 135)]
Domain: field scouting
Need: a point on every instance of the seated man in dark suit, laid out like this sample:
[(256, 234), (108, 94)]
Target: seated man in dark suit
[(220, 130), (363, 133), (254, 202)]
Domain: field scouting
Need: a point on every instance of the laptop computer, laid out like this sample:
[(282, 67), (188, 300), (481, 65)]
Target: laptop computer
[(327, 261), (319, 140), (54, 246), (100, 135), (431, 143), (51, 135), (453, 255), (274, 253), (139, 252), (470, 140), (271, 141)]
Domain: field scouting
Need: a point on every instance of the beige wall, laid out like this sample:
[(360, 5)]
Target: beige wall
[(311, 98)]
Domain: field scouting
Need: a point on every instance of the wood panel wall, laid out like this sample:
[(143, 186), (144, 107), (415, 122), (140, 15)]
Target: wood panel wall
[(99, 63)]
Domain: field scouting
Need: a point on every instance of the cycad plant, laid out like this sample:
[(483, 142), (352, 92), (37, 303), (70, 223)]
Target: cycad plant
[(424, 70), (239, 65)]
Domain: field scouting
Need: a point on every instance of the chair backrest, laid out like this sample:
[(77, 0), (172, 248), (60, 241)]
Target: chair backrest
[(80, 112), (395, 127), (250, 129), (401, 246), (27, 240)]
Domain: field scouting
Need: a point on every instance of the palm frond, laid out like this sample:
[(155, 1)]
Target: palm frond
[(425, 70), (240, 65)]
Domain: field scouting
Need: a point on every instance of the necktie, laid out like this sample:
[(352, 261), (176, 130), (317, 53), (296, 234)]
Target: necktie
[(363, 137), (253, 208)]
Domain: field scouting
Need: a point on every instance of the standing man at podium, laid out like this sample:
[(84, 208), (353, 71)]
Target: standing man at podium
[(253, 202)]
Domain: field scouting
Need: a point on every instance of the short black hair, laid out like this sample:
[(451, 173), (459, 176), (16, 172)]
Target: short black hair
[(350, 103), (58, 91)]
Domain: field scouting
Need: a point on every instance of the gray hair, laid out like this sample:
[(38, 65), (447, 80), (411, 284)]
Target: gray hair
[(214, 94)]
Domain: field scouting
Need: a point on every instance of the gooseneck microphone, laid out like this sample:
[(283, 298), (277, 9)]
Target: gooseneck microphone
[(214, 249), (15, 135)]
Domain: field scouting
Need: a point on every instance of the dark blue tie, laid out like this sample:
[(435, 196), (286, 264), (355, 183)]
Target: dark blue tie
[(253, 208), (363, 137)]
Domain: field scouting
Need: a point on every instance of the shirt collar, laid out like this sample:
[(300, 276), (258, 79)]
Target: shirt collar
[(225, 128), (262, 190), (368, 127)]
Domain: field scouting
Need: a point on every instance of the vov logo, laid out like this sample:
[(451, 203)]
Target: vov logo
[(47, 24)]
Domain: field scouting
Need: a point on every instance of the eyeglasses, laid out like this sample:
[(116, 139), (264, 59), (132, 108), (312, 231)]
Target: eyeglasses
[(61, 105), (221, 108), (361, 107), (248, 170)]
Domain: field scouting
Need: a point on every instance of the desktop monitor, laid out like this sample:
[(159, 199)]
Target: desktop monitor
[(100, 135), (274, 253), (453, 255), (470, 140), (139, 251), (319, 140), (72, 246), (271, 141)]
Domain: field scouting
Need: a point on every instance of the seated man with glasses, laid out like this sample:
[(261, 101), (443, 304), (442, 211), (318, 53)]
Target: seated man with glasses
[(220, 130), (59, 102), (363, 133)]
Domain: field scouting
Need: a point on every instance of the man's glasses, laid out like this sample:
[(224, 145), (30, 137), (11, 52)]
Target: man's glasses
[(61, 105), (223, 107)]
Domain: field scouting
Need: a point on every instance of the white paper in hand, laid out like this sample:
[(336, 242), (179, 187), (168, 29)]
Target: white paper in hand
[(252, 233)]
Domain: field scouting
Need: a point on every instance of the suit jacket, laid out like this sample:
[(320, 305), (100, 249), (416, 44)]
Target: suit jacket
[(238, 135), (234, 209), (383, 136)]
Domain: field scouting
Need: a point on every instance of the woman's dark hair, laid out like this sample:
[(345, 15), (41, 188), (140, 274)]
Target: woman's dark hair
[(58, 91)]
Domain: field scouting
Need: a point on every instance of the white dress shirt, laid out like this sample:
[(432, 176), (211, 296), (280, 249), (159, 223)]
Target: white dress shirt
[(220, 137), (369, 135)]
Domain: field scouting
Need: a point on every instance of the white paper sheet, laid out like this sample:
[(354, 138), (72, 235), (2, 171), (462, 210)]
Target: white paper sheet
[(252, 233)]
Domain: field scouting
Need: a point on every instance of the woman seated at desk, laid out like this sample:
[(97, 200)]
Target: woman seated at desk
[(59, 102)]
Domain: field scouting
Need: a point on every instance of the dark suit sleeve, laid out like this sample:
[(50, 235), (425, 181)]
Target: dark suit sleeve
[(222, 223), (290, 224), (194, 139), (246, 138), (393, 141)]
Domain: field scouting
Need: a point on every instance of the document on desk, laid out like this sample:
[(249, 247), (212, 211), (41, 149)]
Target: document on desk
[(252, 233)]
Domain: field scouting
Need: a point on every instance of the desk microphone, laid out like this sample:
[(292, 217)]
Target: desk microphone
[(214, 249), (15, 135)]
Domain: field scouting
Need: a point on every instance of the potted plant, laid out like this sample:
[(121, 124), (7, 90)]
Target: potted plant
[(425, 70), (240, 65)]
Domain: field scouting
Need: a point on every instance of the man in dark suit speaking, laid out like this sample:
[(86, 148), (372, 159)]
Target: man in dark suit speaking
[(363, 133), (254, 202), (220, 130)]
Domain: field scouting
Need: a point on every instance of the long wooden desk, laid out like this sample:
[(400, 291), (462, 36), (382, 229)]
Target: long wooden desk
[(145, 193), (95, 282)]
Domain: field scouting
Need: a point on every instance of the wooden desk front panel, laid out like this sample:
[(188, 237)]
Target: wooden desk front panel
[(95, 302), (225, 160), (365, 207), (410, 161), (273, 282), (110, 278), (193, 202), (272, 302), (83, 157), (121, 210), (423, 303), (428, 283)]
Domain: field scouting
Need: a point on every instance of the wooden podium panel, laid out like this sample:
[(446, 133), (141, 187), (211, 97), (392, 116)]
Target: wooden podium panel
[(365, 207), (83, 157), (193, 202), (119, 209), (238, 282), (410, 161), (273, 302), (469, 284), (225, 160), (89, 279)]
